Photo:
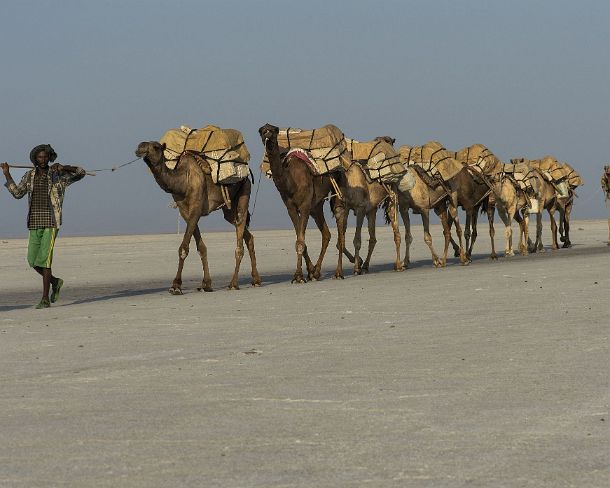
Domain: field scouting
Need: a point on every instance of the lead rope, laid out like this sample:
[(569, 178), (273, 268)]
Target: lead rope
[(256, 194)]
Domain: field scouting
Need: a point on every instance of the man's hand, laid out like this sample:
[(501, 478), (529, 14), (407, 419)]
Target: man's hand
[(57, 168), (5, 169)]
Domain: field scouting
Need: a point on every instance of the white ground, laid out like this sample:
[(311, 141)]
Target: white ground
[(495, 374)]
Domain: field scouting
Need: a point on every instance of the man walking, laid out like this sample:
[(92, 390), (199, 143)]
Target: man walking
[(45, 188)]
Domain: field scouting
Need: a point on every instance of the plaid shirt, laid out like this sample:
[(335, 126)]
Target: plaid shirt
[(56, 188)]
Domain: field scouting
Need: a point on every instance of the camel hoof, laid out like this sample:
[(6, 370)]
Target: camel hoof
[(562, 239), (175, 291), (206, 288), (298, 280), (233, 287), (357, 272), (493, 257), (509, 254), (338, 276), (398, 268), (567, 245), (256, 283)]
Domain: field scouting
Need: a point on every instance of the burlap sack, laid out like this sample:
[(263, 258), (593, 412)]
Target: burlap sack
[(433, 158), (223, 149), (325, 146), (481, 157), (379, 159)]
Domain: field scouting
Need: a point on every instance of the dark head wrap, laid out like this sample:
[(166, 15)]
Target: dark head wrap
[(43, 147)]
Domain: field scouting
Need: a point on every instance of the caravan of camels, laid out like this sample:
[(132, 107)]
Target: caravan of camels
[(207, 169)]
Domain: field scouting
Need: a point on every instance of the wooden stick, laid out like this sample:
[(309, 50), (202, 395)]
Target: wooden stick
[(32, 167)]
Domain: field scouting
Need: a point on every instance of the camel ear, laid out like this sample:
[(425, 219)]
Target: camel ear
[(393, 140), (164, 146)]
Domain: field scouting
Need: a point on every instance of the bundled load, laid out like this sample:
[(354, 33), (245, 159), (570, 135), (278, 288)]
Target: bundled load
[(223, 149), (605, 181), (573, 178), (480, 159), (324, 149), (521, 173), (433, 158), (378, 158), (551, 169), (555, 173)]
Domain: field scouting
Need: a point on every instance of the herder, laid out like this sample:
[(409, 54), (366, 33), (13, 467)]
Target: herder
[(45, 187)]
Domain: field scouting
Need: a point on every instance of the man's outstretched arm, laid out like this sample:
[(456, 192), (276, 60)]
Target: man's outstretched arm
[(18, 191), (69, 174)]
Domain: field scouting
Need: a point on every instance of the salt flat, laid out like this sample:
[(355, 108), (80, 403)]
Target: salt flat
[(495, 374)]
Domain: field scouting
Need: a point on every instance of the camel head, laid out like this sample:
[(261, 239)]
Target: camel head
[(152, 152), (388, 139), (269, 134)]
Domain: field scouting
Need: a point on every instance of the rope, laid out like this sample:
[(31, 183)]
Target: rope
[(256, 194), (114, 168)]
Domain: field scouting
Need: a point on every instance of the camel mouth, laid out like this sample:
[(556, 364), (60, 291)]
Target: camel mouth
[(141, 151)]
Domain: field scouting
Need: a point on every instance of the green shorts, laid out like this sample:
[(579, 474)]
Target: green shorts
[(40, 247)]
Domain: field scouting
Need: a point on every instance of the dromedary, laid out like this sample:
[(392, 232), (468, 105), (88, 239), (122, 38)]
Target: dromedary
[(547, 200), (606, 188), (196, 195), (304, 194), (472, 194), (488, 187), (364, 197), (565, 205), (427, 194)]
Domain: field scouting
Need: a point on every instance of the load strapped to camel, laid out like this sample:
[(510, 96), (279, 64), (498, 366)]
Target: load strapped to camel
[(574, 179), (522, 174), (378, 158), (433, 158), (555, 173), (223, 149), (324, 149), (479, 159)]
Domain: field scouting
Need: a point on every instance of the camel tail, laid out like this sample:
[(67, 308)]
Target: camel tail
[(386, 210)]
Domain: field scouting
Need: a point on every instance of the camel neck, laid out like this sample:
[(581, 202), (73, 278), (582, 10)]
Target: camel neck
[(165, 178), (273, 155)]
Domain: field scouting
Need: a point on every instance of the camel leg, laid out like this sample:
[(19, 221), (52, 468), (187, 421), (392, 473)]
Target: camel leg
[(300, 218), (506, 218), (554, 245), (471, 226), (566, 225), (357, 242), (523, 220), (370, 220), (492, 231), (183, 251), (340, 213), (467, 232), (454, 245), (406, 219), (318, 216), (425, 218), (206, 284), (237, 216), (443, 214), (398, 266), (453, 211), (249, 240), (538, 247)]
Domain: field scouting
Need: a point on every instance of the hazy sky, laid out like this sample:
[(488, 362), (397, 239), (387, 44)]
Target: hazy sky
[(525, 78)]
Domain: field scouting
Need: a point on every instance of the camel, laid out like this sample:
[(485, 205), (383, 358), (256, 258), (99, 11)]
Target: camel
[(304, 195), (472, 193), (605, 181), (196, 195), (487, 187), (364, 197), (565, 205), (547, 200), (427, 194)]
